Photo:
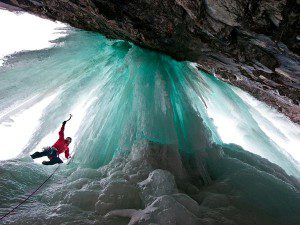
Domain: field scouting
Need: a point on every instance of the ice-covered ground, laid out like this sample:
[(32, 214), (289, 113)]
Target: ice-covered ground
[(150, 141)]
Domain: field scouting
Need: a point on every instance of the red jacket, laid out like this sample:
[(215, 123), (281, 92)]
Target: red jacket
[(60, 144)]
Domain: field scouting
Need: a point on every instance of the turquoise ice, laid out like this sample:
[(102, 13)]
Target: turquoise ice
[(122, 95), (127, 94)]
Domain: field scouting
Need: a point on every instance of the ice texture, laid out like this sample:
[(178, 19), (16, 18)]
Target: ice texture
[(245, 189), (148, 145)]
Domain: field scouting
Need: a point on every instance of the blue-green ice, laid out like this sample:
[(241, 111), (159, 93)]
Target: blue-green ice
[(121, 94)]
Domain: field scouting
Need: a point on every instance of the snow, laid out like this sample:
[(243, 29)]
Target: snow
[(25, 32)]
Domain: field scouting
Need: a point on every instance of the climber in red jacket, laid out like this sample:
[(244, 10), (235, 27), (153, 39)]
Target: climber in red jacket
[(60, 146)]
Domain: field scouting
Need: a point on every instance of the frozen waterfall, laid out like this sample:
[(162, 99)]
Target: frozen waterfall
[(129, 104)]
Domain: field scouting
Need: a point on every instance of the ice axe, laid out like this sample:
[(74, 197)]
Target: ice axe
[(65, 123), (69, 118)]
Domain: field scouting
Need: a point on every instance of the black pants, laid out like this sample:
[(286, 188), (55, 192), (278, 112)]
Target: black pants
[(51, 153)]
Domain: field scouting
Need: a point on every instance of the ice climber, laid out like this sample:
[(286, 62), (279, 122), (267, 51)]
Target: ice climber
[(60, 146)]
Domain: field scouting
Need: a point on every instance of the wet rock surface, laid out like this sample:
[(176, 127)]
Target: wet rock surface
[(254, 45)]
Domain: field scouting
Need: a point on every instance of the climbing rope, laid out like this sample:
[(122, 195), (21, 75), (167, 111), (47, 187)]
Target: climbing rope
[(29, 195), (39, 186)]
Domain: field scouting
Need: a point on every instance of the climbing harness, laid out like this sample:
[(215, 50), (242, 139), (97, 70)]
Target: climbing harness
[(2, 217), (29, 195)]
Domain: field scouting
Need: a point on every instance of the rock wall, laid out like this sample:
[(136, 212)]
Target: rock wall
[(251, 44)]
